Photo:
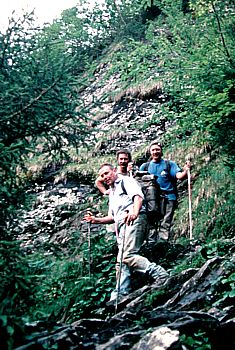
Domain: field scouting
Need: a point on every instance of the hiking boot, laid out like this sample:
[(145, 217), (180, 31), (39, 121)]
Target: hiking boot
[(121, 297), (160, 282), (158, 274)]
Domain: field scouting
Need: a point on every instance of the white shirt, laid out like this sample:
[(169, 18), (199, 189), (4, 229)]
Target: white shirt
[(121, 197)]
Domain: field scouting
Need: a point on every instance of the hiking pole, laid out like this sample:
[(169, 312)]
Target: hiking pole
[(190, 206), (89, 246), (120, 269), (89, 242)]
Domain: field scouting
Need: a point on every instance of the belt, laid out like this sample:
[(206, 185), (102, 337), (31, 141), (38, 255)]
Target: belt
[(165, 193)]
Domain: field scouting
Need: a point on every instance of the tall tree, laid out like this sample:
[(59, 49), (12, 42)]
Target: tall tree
[(39, 101)]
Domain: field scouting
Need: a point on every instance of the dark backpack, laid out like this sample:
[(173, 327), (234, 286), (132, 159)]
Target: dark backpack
[(151, 191)]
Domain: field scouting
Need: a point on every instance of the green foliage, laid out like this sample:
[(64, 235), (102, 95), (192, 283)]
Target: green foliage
[(193, 260), (199, 341), (16, 292), (212, 201), (134, 62), (187, 54), (39, 106), (11, 328), (34, 74), (17, 283), (224, 287), (198, 69), (125, 19), (229, 292), (194, 66), (154, 297), (62, 287), (66, 290)]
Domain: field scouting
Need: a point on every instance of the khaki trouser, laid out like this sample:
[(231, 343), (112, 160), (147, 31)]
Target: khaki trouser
[(130, 239), (168, 209), (134, 236), (161, 228)]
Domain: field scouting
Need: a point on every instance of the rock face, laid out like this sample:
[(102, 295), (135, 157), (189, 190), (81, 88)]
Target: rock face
[(125, 118), (162, 338), (166, 317), (52, 214)]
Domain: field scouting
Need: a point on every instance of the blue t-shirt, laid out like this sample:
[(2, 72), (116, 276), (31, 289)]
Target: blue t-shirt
[(166, 178)]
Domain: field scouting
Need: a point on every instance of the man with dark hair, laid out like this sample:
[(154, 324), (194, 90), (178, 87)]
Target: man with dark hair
[(124, 166), (128, 214), (167, 173)]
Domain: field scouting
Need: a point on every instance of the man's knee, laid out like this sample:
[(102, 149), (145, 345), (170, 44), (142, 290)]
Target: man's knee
[(129, 259)]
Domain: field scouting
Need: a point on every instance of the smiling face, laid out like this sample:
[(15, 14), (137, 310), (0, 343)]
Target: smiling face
[(123, 160), (156, 152), (108, 175)]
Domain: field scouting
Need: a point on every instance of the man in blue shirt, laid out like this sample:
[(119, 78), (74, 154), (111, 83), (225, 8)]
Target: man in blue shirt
[(167, 173)]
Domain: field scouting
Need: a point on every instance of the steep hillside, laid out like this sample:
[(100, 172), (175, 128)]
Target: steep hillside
[(151, 70), (194, 309)]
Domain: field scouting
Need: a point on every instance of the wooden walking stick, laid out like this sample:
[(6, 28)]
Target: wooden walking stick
[(89, 247), (88, 212), (190, 206), (120, 268)]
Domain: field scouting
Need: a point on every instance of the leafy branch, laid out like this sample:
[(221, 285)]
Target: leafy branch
[(221, 34)]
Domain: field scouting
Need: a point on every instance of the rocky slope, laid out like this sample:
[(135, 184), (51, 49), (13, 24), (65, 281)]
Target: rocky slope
[(126, 118), (166, 317), (193, 310)]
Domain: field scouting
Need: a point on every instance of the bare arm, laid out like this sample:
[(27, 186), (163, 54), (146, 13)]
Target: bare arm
[(136, 209), (94, 220), (100, 185), (137, 204), (182, 174)]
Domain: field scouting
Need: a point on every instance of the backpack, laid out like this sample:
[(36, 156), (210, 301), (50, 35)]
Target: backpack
[(151, 191), (167, 169)]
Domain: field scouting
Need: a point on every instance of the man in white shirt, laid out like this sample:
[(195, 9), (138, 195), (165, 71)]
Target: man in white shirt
[(128, 214)]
